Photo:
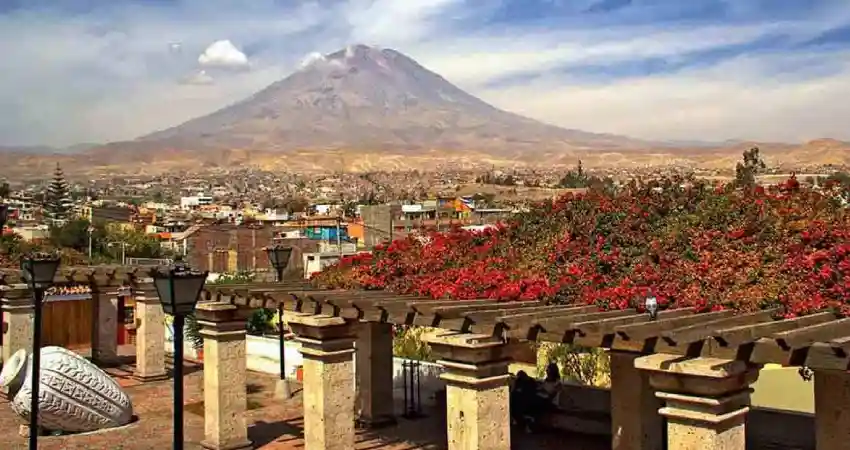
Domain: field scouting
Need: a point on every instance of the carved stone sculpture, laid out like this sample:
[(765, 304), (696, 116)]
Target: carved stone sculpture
[(74, 395)]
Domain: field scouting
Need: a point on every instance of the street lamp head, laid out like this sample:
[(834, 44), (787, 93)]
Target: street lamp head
[(39, 269), (178, 287), (279, 256), (651, 305)]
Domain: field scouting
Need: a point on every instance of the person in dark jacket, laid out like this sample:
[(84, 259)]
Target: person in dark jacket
[(530, 400)]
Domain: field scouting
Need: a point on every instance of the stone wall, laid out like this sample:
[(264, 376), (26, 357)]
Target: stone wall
[(246, 246), (377, 224)]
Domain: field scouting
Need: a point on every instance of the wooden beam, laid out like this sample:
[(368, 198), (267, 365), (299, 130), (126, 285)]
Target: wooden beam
[(643, 331), (823, 356), (842, 343), (701, 331), (487, 322), (429, 307), (559, 329), (518, 325), (459, 312), (744, 334), (261, 285), (359, 300), (608, 326), (804, 337), (289, 301), (340, 295)]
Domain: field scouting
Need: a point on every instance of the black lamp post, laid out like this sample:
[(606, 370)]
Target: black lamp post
[(38, 271), (4, 214), (651, 305), (279, 259), (179, 288)]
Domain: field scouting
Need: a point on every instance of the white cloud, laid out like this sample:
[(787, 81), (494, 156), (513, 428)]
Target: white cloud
[(114, 73), (312, 58), (737, 99), (199, 78), (223, 53)]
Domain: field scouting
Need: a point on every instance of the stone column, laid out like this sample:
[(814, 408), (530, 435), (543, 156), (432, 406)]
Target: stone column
[(327, 344), (477, 392), (223, 328), (707, 400), (105, 334), (832, 416), (18, 316), (635, 422), (374, 372), (150, 337)]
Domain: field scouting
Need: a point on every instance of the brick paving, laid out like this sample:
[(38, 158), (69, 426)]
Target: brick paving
[(273, 424)]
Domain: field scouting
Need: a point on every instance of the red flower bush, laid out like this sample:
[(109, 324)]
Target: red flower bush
[(690, 244)]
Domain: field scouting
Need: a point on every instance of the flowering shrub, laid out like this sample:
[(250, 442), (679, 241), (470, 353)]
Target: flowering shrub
[(689, 243)]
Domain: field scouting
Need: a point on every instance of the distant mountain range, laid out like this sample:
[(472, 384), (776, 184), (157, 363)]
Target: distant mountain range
[(46, 150), (369, 98), (362, 108)]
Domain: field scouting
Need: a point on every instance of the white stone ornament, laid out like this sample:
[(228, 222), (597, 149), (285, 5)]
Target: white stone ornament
[(74, 394)]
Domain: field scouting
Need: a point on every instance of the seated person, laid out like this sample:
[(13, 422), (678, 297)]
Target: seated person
[(530, 400), (550, 389)]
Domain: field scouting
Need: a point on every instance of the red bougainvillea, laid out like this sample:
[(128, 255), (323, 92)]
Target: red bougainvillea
[(690, 244)]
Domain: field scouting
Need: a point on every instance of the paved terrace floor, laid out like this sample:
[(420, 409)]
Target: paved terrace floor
[(273, 424)]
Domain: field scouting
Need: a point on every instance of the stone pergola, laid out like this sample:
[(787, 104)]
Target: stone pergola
[(106, 284), (690, 370)]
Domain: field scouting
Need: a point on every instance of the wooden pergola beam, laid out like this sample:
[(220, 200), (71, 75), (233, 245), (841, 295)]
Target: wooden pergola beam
[(497, 321), (745, 334), (804, 337), (701, 331), (110, 275), (823, 356), (642, 331), (563, 330), (608, 326), (821, 339)]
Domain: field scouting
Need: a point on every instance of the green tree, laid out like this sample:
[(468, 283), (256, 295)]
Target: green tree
[(747, 170), (842, 178), (74, 234), (136, 244), (107, 243), (58, 200), (576, 179)]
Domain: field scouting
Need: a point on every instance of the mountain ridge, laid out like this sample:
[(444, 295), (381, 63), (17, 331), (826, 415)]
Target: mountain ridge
[(364, 108), (366, 97)]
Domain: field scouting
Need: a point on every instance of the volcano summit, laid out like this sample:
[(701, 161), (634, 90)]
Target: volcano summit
[(364, 97)]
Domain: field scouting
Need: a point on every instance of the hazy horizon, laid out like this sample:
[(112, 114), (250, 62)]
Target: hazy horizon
[(706, 70)]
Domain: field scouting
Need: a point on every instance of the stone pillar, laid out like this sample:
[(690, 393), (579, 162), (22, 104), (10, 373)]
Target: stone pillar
[(150, 337), (477, 392), (374, 372), (232, 261), (635, 422), (327, 344), (105, 333), (18, 316), (707, 400), (832, 416), (223, 328)]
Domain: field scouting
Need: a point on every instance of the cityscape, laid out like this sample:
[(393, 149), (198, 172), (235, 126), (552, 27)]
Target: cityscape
[(425, 225)]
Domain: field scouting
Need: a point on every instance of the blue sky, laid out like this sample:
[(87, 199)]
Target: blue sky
[(772, 70)]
